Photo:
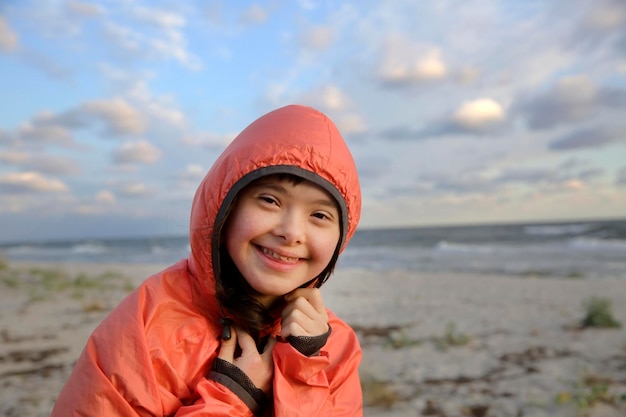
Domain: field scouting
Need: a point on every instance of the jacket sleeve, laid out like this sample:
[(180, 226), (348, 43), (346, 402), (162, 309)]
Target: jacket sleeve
[(215, 400), (318, 386), (131, 368), (114, 375)]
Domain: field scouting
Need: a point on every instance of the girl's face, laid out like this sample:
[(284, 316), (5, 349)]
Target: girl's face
[(281, 235)]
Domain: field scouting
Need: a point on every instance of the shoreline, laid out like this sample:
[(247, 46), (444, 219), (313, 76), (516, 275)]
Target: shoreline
[(434, 344)]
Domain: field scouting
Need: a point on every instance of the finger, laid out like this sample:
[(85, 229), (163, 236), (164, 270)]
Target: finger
[(302, 311), (312, 295), (293, 329), (227, 348), (246, 343), (269, 346)]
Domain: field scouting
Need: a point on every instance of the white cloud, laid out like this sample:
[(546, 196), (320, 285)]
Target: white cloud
[(327, 97), (607, 15), (430, 67), (407, 62), (194, 171), (318, 38), (137, 152), (26, 182), (105, 197), (351, 123), (14, 158), (51, 164), (83, 9), (208, 140), (136, 189), (8, 38), (41, 132), (255, 14), (160, 109), (118, 116), (479, 113), (166, 40), (164, 19), (570, 100)]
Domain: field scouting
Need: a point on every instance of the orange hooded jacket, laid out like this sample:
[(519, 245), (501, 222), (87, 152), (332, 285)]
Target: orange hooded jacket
[(152, 354)]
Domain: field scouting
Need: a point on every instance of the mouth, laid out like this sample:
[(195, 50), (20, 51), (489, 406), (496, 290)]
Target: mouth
[(270, 253)]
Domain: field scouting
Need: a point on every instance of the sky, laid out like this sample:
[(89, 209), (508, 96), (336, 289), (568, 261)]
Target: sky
[(456, 111)]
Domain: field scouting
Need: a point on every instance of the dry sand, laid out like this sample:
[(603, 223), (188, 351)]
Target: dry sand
[(434, 345)]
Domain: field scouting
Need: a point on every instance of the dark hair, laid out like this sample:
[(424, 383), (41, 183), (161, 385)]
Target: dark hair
[(234, 293)]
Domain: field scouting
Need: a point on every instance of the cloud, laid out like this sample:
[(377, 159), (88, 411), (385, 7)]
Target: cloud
[(8, 38), (604, 22), (479, 114), (165, 20), (254, 14), (83, 9), (163, 38), (136, 152), (317, 38), (105, 197), (46, 164), (13, 158), (193, 172), (405, 63), (570, 100), (208, 140), (159, 109), (589, 137), (620, 180), (117, 115), (560, 178), (607, 15), (43, 130), (136, 189), (328, 97), (351, 123), (29, 182)]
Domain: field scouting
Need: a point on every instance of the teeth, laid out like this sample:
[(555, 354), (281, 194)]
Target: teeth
[(277, 256)]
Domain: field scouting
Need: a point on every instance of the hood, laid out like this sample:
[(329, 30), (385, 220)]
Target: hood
[(295, 140)]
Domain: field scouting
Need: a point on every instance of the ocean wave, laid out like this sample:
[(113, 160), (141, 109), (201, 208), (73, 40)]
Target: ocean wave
[(89, 248), (446, 246), (588, 243), (558, 230)]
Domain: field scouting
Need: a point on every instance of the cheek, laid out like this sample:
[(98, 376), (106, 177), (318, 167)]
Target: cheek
[(327, 247)]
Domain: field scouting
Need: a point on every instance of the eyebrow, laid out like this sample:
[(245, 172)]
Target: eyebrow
[(327, 202)]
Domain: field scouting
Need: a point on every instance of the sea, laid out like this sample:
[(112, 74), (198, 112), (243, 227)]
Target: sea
[(572, 249)]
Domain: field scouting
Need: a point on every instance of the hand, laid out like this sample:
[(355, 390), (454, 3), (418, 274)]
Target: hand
[(259, 367), (304, 314)]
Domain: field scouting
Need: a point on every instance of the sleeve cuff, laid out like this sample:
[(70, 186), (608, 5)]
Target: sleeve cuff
[(309, 345), (238, 382)]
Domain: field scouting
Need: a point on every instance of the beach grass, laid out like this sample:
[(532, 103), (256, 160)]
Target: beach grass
[(599, 313)]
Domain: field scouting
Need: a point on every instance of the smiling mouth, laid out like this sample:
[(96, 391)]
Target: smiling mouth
[(277, 256)]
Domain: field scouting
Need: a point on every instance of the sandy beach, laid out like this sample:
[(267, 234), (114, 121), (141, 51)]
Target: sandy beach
[(434, 344)]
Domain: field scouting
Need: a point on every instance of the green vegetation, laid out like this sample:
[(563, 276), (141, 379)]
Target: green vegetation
[(377, 393), (599, 314), (4, 264), (451, 338), (42, 283), (399, 339), (590, 391)]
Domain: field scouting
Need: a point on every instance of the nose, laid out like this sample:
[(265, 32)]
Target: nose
[(291, 228)]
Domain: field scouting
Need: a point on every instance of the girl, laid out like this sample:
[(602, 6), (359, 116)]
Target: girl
[(240, 328)]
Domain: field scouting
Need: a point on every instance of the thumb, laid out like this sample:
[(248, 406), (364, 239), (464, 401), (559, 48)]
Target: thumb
[(227, 348), (269, 347)]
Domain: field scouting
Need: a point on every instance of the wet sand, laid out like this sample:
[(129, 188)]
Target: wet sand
[(434, 344)]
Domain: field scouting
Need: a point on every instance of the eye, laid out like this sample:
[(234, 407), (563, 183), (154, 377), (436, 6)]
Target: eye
[(322, 215), (268, 199)]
